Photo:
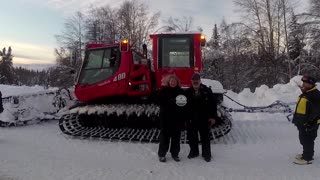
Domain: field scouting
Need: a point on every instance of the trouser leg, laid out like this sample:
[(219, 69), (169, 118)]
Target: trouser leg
[(301, 137), (307, 139), (205, 142), (164, 143), (192, 135), (175, 142)]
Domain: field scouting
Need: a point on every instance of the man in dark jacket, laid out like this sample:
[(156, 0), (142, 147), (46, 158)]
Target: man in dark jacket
[(172, 115), (1, 105), (307, 119), (202, 108)]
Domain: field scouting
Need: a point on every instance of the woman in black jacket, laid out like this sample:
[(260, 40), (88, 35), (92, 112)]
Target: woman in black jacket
[(172, 103)]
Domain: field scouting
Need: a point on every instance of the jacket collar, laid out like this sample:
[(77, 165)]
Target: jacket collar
[(200, 87), (312, 89)]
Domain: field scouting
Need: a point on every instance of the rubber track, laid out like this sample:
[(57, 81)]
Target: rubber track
[(71, 125)]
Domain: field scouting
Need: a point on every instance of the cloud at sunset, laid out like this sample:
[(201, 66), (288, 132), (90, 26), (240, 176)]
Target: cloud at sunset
[(27, 53)]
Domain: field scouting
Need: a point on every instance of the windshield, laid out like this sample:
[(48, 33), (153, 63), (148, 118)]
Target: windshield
[(176, 51), (99, 64)]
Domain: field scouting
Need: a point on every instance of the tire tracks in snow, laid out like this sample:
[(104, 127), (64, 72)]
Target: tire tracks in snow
[(254, 132)]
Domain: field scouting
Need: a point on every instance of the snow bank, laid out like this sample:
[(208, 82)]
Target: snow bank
[(263, 95)]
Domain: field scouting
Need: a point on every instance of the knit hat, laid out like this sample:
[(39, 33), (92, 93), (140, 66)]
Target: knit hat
[(195, 76), (308, 79)]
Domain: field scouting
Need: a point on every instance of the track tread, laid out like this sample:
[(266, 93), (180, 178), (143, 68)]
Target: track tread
[(74, 125)]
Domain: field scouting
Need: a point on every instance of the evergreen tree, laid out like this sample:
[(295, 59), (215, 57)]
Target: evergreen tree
[(31, 77), (215, 38), (7, 74)]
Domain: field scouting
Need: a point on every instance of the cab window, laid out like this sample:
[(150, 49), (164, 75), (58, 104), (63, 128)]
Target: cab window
[(175, 52), (99, 65)]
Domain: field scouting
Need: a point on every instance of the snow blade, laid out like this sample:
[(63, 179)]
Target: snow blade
[(33, 108)]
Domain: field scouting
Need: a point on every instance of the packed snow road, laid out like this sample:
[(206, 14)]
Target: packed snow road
[(263, 149)]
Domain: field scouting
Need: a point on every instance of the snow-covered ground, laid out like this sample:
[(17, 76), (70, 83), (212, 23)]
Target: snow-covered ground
[(260, 146)]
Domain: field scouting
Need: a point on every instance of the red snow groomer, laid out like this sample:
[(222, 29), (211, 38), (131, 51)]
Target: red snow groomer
[(117, 86)]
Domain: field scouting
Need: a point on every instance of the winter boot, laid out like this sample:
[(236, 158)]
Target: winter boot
[(302, 162), (207, 159), (193, 155), (176, 158), (299, 156), (162, 159)]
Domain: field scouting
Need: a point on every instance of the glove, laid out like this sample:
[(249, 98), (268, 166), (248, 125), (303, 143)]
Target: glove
[(187, 123), (211, 122), (309, 126)]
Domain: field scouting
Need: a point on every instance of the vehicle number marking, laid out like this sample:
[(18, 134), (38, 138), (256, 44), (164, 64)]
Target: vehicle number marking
[(120, 77)]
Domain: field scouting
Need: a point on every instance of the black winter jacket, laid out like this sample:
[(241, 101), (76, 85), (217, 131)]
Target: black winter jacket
[(307, 112), (172, 103), (201, 107)]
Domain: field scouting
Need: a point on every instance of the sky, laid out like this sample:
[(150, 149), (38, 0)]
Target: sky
[(29, 26)]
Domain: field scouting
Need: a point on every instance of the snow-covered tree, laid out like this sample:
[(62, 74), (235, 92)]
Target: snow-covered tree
[(132, 20), (31, 77), (214, 41), (135, 22), (314, 14), (311, 22), (266, 22), (296, 43), (73, 36), (174, 24), (7, 74), (101, 25)]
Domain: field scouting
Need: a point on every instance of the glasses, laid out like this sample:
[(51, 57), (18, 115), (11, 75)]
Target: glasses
[(307, 81)]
